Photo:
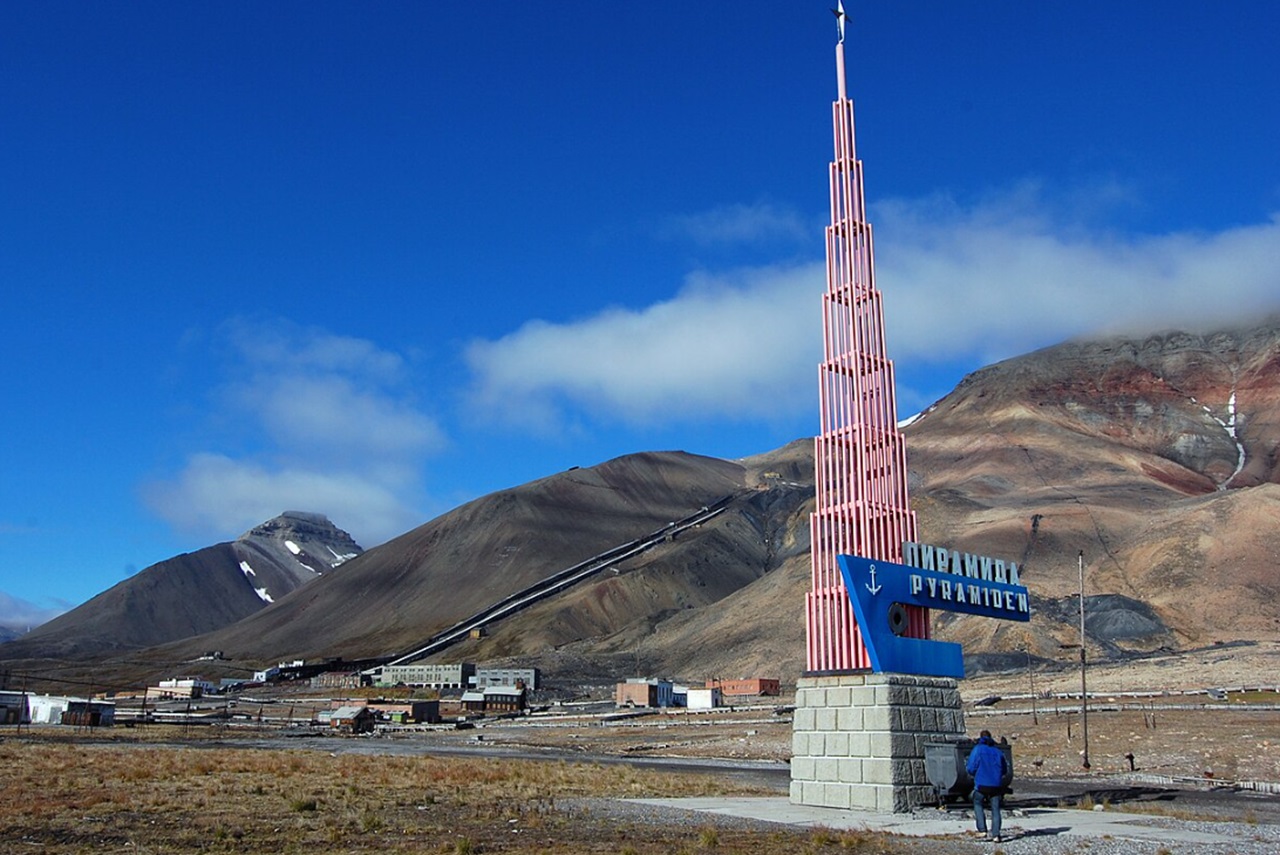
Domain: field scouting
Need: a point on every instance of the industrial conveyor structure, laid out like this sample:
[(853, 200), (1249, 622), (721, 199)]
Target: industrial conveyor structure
[(560, 580)]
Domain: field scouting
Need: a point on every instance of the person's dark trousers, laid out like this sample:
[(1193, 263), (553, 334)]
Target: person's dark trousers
[(980, 815)]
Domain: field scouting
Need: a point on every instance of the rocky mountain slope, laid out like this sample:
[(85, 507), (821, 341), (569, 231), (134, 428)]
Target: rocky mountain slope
[(195, 592), (396, 595), (1155, 457)]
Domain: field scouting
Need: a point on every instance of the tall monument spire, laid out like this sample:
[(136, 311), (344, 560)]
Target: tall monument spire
[(859, 455)]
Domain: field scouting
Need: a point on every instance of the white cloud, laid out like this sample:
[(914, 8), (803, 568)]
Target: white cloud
[(992, 281), (330, 414), (217, 494), (21, 615), (962, 285), (338, 432), (285, 346), (725, 346), (739, 224)]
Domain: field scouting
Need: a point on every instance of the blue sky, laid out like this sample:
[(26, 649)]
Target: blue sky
[(377, 259)]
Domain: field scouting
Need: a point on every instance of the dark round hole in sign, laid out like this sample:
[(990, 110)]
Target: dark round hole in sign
[(897, 619)]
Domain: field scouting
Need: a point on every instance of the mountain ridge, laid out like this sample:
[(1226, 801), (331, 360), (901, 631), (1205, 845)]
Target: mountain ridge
[(195, 592), (1156, 457)]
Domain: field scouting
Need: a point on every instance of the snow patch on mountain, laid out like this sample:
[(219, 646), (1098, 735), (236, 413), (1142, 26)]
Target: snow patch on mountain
[(910, 420), (1230, 425), (288, 551), (339, 559)]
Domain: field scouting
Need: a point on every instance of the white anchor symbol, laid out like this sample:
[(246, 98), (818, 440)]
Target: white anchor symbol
[(873, 587)]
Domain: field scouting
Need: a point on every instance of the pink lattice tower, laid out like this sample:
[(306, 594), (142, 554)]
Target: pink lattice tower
[(859, 456)]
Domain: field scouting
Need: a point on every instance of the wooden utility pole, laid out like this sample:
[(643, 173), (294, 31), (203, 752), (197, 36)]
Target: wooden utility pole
[(1084, 690)]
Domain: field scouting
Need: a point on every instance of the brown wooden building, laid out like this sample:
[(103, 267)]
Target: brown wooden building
[(751, 686)]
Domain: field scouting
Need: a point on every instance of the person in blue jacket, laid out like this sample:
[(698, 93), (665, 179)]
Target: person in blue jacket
[(988, 767)]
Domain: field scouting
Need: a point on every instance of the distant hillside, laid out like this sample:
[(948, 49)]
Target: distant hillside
[(397, 594), (1158, 458), (195, 592)]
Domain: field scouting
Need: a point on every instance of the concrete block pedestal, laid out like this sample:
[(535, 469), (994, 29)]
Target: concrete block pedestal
[(858, 739)]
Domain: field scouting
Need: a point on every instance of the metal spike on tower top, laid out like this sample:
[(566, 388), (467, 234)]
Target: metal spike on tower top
[(860, 461), (841, 20)]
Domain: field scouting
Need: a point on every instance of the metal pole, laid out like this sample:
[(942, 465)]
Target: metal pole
[(25, 706), (1084, 690), (1035, 719)]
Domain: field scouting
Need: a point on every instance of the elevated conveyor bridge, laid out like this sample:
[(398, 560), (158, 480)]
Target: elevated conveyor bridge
[(560, 580)]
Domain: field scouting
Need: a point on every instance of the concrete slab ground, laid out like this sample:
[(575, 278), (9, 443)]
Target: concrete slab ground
[(1028, 822)]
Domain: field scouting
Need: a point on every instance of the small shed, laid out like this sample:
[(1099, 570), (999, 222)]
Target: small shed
[(353, 719), (14, 708), (704, 699), (89, 713), (47, 709)]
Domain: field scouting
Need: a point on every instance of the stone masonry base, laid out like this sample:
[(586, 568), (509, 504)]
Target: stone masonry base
[(858, 739)]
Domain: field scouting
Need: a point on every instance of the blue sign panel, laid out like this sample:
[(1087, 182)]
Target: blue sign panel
[(876, 587)]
